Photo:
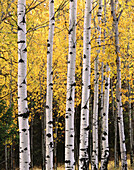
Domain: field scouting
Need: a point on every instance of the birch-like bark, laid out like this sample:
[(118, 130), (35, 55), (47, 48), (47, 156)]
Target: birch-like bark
[(105, 144), (102, 102), (84, 127), (94, 162), (23, 112), (69, 120), (49, 94), (104, 137), (118, 89)]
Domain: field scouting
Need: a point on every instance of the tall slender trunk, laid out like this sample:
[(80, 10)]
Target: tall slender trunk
[(23, 112), (84, 126), (105, 144), (96, 82), (94, 162), (69, 120), (102, 102), (118, 90), (104, 139), (49, 95)]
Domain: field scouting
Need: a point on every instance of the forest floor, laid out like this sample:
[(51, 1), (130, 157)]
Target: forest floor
[(110, 166)]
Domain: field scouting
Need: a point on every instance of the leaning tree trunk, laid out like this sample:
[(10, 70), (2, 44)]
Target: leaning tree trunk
[(118, 90), (49, 94), (69, 120), (23, 112), (94, 162), (84, 127)]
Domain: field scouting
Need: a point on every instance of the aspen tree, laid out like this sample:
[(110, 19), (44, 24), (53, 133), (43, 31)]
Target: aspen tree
[(118, 90), (84, 127), (23, 112), (104, 137), (69, 120), (105, 144), (94, 162), (101, 101), (49, 94)]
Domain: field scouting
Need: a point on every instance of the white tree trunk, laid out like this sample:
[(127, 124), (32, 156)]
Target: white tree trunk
[(49, 95), (102, 102), (69, 120), (94, 162), (23, 113), (118, 89), (84, 127), (105, 144)]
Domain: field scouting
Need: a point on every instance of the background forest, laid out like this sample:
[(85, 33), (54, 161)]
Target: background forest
[(103, 48)]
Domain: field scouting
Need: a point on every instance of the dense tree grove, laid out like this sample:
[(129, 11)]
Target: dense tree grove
[(66, 84)]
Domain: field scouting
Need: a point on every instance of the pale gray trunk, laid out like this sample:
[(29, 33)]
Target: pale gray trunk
[(84, 126), (118, 90), (102, 102), (49, 94), (95, 162), (105, 144), (23, 112), (69, 120)]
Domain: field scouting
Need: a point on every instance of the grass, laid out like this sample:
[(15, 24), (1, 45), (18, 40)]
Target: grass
[(110, 166)]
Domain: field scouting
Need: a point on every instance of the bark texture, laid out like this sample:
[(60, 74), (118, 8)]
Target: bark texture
[(49, 95), (105, 144), (23, 112), (94, 162), (69, 120), (118, 90), (84, 126)]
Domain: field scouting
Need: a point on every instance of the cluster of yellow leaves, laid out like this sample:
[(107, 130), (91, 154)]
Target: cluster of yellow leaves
[(37, 34)]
